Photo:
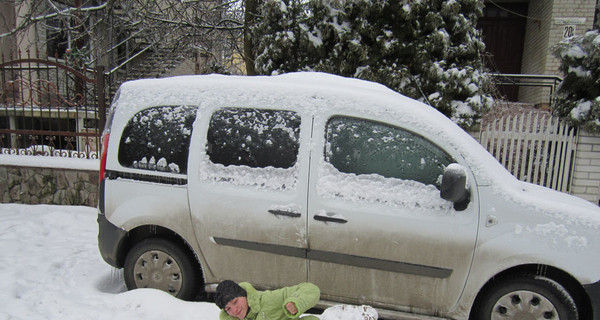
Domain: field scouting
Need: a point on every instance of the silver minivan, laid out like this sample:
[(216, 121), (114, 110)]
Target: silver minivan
[(374, 197)]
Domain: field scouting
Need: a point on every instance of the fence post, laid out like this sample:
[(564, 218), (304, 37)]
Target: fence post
[(101, 98)]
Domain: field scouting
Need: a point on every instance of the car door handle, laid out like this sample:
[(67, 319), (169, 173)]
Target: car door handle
[(285, 213), (325, 218)]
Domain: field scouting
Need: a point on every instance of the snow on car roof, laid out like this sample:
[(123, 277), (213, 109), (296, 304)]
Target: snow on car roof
[(299, 90)]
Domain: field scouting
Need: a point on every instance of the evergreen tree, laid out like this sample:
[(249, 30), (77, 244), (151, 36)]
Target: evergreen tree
[(279, 36), (428, 50), (578, 97)]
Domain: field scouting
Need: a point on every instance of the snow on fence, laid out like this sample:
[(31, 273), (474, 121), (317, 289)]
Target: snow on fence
[(534, 147)]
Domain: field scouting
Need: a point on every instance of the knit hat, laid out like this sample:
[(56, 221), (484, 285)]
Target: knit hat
[(227, 291)]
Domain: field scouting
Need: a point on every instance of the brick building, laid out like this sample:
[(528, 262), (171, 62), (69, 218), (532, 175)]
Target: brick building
[(519, 37)]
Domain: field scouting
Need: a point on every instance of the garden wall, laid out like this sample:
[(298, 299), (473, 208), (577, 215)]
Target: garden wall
[(48, 180)]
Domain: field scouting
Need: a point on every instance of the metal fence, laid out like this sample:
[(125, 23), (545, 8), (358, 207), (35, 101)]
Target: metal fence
[(50, 107)]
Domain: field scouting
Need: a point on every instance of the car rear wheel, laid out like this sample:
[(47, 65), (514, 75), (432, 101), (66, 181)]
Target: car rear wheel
[(160, 264), (527, 297)]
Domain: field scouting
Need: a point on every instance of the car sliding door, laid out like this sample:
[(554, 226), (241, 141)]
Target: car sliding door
[(379, 233), (248, 195)]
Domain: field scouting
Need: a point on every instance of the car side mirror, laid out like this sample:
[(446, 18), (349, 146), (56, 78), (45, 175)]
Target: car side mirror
[(454, 186)]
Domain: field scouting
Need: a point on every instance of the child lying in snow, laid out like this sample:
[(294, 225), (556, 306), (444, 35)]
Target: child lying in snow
[(244, 302)]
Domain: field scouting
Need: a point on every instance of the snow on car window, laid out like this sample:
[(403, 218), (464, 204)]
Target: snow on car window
[(262, 178), (253, 147), (376, 189), (157, 139)]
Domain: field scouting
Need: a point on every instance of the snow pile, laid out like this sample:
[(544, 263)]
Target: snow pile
[(49, 162), (349, 312), (51, 269), (264, 178)]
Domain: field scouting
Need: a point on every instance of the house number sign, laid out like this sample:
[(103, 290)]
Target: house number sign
[(569, 31), (569, 26)]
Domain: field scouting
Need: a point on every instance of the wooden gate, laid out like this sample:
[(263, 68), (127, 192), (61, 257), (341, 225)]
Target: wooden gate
[(50, 107), (534, 147)]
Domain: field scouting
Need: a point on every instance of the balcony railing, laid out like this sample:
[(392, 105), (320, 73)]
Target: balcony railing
[(528, 80)]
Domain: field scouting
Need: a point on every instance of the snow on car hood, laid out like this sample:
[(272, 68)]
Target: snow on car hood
[(563, 207)]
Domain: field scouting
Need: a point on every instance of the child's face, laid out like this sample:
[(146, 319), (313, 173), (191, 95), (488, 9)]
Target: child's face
[(237, 308)]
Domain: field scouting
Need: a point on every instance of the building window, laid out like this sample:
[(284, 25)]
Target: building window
[(57, 38)]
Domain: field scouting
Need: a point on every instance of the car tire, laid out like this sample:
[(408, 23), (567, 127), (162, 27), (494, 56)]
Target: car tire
[(160, 264), (526, 297)]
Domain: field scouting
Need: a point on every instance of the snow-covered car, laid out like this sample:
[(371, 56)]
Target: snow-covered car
[(374, 197)]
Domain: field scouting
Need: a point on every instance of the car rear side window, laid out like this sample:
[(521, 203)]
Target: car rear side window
[(158, 139), (254, 138), (361, 147)]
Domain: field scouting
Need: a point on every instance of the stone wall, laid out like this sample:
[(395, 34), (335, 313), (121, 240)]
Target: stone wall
[(60, 186)]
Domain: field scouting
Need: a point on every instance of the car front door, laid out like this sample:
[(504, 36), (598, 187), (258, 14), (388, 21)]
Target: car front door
[(379, 233), (247, 194)]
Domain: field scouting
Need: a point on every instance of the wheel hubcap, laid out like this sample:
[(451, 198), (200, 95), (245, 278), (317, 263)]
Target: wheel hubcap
[(524, 305), (158, 270)]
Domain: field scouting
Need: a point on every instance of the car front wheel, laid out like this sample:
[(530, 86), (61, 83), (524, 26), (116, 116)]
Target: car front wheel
[(527, 297), (160, 264)]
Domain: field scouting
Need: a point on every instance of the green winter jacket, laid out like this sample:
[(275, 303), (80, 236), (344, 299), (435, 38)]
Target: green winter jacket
[(270, 305)]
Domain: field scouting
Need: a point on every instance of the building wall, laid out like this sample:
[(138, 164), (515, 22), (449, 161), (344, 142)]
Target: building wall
[(7, 21), (537, 48), (578, 14), (586, 172), (546, 26), (536, 37), (27, 39)]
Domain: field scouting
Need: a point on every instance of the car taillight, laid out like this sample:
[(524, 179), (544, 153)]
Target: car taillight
[(105, 137)]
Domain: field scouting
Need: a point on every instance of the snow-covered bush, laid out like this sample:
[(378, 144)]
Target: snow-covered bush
[(429, 50), (578, 97)]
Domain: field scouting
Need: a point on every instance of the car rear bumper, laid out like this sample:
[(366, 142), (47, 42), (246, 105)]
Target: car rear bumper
[(593, 291), (110, 239)]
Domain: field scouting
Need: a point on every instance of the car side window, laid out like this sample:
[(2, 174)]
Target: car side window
[(363, 147), (158, 139), (253, 137)]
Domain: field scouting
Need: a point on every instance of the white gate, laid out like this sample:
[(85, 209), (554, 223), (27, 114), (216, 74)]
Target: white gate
[(534, 147)]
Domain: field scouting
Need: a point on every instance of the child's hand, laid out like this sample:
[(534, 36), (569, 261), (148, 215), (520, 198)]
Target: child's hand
[(291, 307)]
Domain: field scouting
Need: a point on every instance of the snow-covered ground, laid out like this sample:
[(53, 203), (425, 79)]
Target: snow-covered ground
[(50, 268)]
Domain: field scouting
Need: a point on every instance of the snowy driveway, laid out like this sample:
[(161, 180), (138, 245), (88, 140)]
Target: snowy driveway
[(50, 268)]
